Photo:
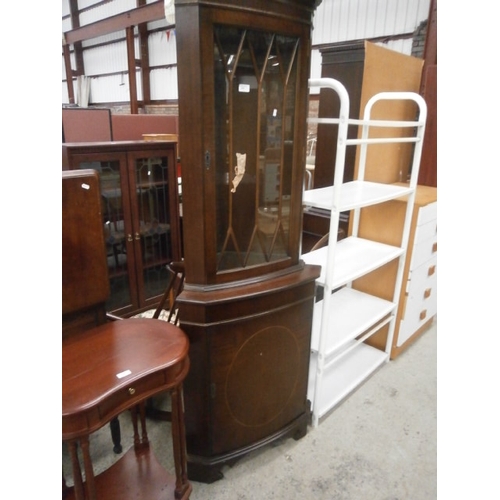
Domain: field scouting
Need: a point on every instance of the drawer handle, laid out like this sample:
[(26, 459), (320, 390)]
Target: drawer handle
[(427, 293), (431, 271), (423, 314), (131, 391), (435, 247)]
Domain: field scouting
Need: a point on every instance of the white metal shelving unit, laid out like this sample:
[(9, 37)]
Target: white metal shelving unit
[(345, 317)]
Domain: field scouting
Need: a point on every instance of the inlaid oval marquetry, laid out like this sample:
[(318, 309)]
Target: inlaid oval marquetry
[(258, 387)]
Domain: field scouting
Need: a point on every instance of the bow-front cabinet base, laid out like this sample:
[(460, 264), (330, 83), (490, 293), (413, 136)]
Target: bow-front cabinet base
[(249, 351)]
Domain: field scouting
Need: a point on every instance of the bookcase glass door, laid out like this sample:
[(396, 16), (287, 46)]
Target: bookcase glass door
[(151, 192), (116, 224), (255, 85), (136, 211)]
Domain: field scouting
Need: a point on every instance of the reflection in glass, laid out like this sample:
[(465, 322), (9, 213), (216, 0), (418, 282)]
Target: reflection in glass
[(114, 231), (154, 222), (255, 75), (151, 229)]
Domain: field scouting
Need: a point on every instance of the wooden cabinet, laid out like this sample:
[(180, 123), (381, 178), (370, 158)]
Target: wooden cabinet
[(418, 295), (364, 69), (139, 197), (418, 304), (362, 274), (247, 303)]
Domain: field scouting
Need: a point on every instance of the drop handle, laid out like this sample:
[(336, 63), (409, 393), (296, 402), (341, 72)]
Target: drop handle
[(129, 238), (137, 236), (131, 391)]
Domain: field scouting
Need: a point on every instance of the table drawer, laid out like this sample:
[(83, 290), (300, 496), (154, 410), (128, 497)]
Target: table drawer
[(135, 391)]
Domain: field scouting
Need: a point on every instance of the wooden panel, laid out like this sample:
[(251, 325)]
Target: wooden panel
[(84, 268), (389, 71), (132, 127), (365, 69), (427, 175), (86, 125)]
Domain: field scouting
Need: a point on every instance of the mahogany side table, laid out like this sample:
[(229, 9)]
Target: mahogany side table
[(116, 367)]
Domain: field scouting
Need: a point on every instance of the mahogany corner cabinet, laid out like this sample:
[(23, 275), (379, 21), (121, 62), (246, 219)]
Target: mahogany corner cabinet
[(243, 69)]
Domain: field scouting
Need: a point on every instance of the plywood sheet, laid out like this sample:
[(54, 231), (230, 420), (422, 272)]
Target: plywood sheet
[(389, 71)]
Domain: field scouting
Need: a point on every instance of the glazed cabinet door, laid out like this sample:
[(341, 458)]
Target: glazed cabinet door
[(117, 224), (244, 167), (140, 217), (255, 77), (152, 184)]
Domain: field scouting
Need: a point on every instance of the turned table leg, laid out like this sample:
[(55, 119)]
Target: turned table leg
[(77, 473), (89, 469), (140, 440), (179, 442)]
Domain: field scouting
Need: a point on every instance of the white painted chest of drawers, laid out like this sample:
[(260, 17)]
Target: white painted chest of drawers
[(418, 301)]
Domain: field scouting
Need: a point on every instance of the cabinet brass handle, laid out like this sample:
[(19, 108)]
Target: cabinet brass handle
[(427, 293), (137, 236), (423, 314), (129, 237), (131, 391)]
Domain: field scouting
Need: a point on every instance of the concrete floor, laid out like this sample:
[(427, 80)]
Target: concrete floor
[(379, 444)]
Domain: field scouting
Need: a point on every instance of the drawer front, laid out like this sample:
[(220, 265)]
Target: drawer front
[(425, 231), (427, 214), (134, 392), (422, 288), (423, 251), (421, 300)]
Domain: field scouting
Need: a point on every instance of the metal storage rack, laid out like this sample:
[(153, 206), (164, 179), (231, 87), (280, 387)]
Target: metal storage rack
[(345, 317)]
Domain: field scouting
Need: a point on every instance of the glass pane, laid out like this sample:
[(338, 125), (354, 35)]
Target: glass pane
[(114, 231), (151, 176), (255, 76)]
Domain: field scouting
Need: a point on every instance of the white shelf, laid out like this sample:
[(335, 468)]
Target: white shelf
[(353, 258), (352, 313), (343, 320), (343, 376), (354, 194)]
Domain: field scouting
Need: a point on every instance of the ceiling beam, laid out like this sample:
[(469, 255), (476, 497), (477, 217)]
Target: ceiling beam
[(144, 14)]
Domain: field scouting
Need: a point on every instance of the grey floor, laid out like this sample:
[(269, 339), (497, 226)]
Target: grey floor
[(379, 444)]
